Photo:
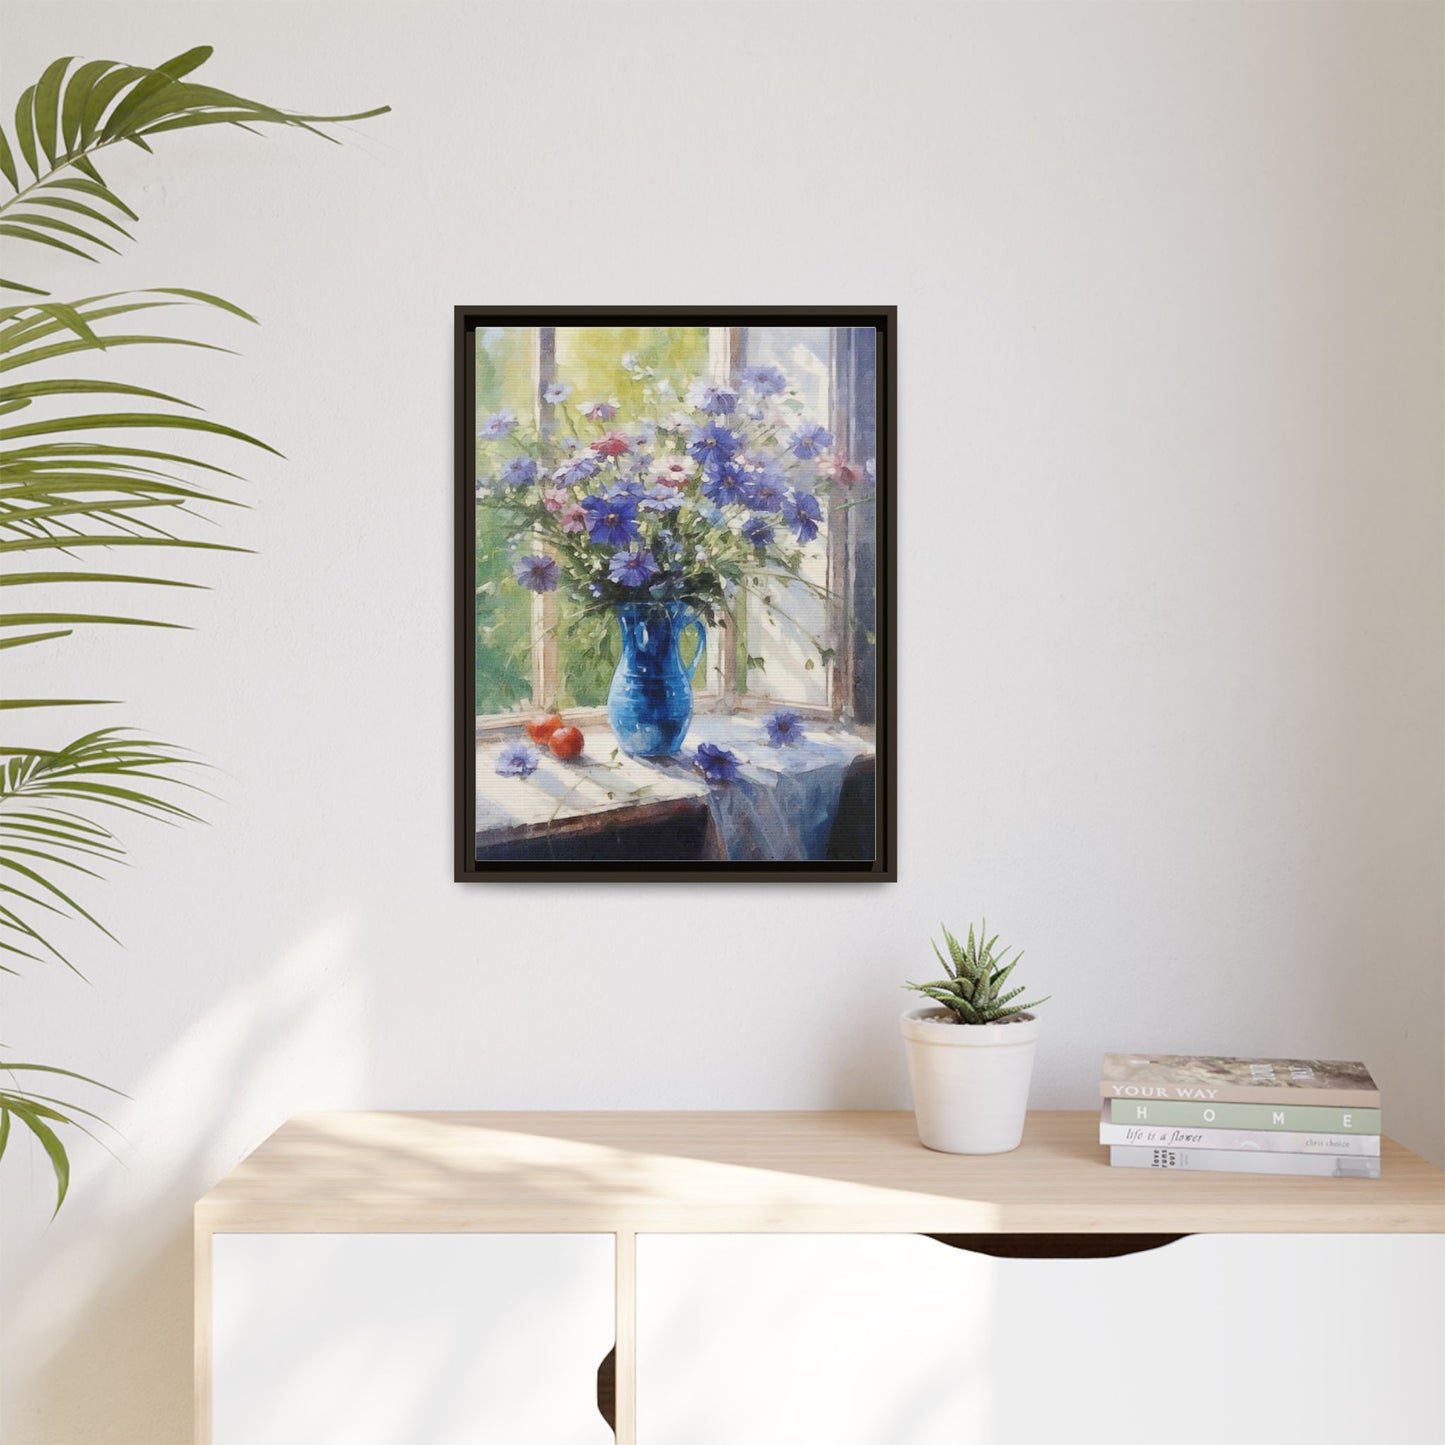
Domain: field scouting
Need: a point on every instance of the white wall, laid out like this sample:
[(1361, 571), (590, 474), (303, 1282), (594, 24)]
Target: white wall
[(1170, 296)]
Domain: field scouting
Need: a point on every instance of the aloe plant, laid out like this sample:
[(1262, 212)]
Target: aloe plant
[(75, 486), (974, 987)]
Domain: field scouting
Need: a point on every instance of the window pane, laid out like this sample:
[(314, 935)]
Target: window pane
[(661, 361), (787, 621), (503, 611)]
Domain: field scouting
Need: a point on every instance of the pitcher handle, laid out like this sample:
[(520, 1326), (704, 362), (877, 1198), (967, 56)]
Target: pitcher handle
[(701, 646)]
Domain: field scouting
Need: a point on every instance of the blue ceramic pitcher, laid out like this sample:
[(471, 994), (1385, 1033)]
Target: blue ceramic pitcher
[(650, 702)]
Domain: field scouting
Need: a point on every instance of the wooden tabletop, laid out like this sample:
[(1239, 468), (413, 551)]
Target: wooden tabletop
[(827, 1172)]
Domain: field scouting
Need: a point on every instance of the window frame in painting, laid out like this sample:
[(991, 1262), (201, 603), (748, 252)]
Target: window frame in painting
[(726, 327)]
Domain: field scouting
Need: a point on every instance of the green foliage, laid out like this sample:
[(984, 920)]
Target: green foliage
[(503, 653), (69, 115), (88, 466), (588, 641), (39, 1113), (974, 987), (104, 770)]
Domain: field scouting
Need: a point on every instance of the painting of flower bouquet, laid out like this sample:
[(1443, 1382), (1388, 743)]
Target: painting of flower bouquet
[(673, 593)]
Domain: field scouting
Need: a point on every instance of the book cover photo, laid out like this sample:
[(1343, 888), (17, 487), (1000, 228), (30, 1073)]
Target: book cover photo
[(1214, 1079)]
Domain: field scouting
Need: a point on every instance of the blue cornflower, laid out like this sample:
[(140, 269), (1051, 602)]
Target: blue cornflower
[(517, 760), (716, 764), (802, 513), (632, 569), (601, 410), (765, 491), (499, 424), (785, 728), (519, 472), (764, 380), (660, 499), (810, 440), (726, 485), (633, 487), (712, 514), (714, 400), (712, 443), (556, 394), (577, 469), (611, 520), (537, 574), (757, 532)]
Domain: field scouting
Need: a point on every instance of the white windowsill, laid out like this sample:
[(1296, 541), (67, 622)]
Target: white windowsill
[(601, 789)]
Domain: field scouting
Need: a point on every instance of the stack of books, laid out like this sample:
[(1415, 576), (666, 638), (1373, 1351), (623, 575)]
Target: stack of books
[(1241, 1116)]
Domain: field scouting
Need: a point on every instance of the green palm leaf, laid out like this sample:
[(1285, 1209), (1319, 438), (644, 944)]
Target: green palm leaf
[(39, 1113), (71, 482), (109, 768), (70, 115)]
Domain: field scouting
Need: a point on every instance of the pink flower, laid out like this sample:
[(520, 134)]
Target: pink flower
[(555, 498), (843, 472), (612, 445), (574, 519)]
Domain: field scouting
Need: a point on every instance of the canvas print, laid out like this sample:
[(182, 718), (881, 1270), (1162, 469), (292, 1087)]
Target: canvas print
[(674, 602)]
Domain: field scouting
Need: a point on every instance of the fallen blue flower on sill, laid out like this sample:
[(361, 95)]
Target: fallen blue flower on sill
[(517, 760), (717, 765)]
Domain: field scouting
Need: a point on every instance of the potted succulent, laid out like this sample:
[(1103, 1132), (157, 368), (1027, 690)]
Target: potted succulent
[(971, 1057)]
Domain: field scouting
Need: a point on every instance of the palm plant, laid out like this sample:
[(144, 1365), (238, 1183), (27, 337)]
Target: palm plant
[(74, 486), (974, 987)]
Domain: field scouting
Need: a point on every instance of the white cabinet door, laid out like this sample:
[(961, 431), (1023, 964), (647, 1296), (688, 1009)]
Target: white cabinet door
[(900, 1340), (410, 1339)]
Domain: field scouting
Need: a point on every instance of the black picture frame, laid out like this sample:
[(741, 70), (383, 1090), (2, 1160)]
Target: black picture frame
[(884, 866)]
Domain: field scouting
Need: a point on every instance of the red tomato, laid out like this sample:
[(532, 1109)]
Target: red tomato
[(542, 728), (566, 743)]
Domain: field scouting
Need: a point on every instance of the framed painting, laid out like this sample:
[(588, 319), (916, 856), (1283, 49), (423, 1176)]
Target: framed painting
[(675, 593)]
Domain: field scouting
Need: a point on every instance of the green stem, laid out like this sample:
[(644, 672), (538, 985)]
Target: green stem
[(773, 607)]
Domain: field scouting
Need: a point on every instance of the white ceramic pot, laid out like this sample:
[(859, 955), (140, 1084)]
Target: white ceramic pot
[(970, 1081)]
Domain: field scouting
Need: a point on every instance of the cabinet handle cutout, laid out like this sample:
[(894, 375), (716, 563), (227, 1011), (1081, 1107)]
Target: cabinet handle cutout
[(1056, 1246), (607, 1389)]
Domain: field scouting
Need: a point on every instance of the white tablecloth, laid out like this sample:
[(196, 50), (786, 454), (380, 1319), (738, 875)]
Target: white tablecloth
[(780, 808)]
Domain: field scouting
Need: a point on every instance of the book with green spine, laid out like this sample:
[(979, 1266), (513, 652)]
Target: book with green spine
[(1306, 1118)]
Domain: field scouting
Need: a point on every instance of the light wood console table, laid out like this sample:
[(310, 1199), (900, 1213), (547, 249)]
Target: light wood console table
[(627, 1175)]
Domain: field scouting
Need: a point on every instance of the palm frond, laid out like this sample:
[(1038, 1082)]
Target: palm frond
[(73, 481), (40, 1113), (64, 491), (109, 768), (75, 111)]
